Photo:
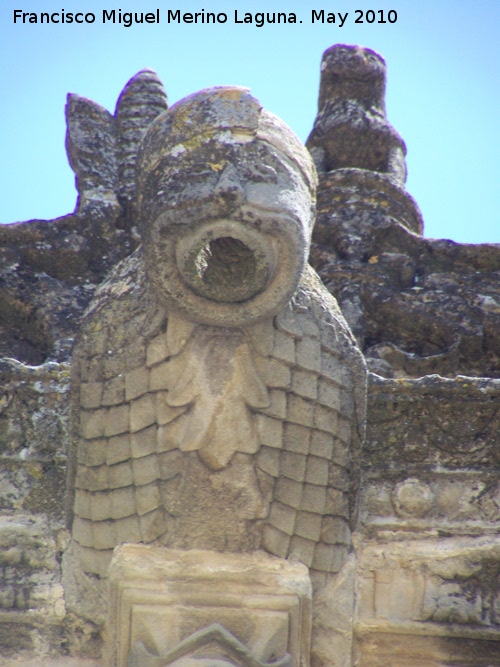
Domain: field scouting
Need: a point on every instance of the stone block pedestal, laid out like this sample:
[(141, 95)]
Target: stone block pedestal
[(200, 607)]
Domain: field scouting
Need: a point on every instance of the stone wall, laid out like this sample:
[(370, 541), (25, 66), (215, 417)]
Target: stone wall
[(426, 314), (429, 545), (49, 271)]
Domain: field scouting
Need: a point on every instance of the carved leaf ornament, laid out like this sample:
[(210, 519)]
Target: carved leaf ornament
[(220, 382)]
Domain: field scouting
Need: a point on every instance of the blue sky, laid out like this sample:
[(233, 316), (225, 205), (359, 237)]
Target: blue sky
[(443, 93)]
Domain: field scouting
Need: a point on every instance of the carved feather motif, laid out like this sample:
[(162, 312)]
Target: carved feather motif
[(269, 415)]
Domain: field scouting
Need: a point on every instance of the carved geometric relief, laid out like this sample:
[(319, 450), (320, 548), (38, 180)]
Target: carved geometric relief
[(188, 607), (213, 647), (443, 583)]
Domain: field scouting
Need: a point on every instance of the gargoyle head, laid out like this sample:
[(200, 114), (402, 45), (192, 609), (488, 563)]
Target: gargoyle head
[(226, 207)]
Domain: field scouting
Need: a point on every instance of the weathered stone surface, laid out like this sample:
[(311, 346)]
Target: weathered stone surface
[(442, 319), (91, 149), (37, 661), (334, 623), (411, 650), (445, 590), (142, 99), (417, 306), (33, 436), (48, 275), (351, 129), (429, 506), (429, 522), (102, 148), (219, 302), (433, 421), (32, 606), (196, 376), (63, 260), (262, 602)]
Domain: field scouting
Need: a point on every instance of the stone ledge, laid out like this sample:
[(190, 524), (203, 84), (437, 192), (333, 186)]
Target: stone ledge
[(431, 422), (363, 629), (398, 648), (49, 662)]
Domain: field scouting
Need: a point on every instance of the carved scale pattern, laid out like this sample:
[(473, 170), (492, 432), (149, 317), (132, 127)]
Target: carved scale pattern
[(127, 437)]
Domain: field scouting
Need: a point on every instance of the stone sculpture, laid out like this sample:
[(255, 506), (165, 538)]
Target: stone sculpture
[(218, 395), (427, 539), (102, 148), (195, 607), (351, 128), (236, 652)]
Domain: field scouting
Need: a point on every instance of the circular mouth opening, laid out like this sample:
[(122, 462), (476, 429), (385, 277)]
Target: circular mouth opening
[(226, 262), (225, 265), (225, 269)]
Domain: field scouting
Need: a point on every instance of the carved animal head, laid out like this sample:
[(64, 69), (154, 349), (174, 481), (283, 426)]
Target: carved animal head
[(351, 130), (353, 72), (226, 207)]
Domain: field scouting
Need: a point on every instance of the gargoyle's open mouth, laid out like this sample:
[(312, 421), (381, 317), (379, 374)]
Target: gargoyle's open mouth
[(226, 262), (227, 268)]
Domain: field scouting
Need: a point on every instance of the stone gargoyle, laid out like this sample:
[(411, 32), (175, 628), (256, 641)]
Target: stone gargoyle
[(218, 395)]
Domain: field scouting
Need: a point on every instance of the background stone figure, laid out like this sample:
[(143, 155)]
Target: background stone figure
[(218, 395), (351, 128)]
